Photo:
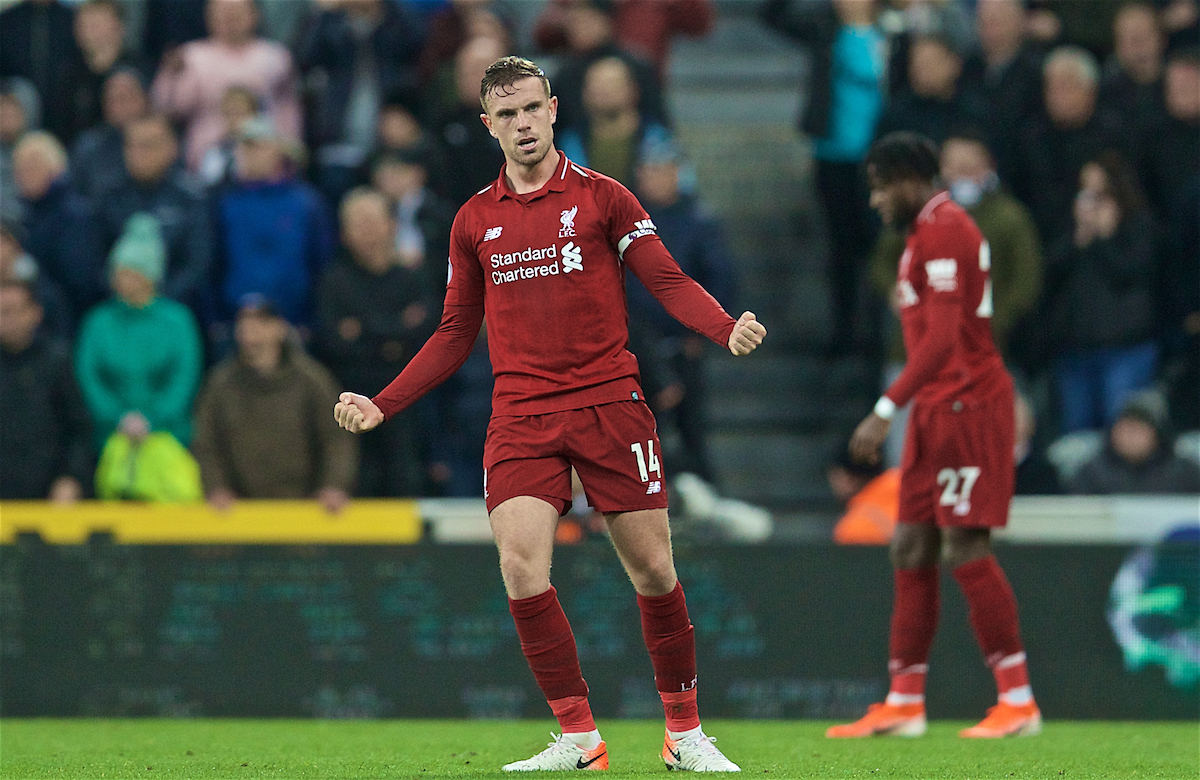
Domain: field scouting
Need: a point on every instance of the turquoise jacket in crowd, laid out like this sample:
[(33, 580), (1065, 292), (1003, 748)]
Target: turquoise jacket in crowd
[(149, 360)]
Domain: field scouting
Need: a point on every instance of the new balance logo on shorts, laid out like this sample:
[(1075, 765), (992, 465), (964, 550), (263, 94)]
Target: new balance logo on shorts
[(654, 487)]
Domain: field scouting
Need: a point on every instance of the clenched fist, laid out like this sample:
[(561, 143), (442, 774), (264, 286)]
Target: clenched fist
[(357, 413), (747, 334)]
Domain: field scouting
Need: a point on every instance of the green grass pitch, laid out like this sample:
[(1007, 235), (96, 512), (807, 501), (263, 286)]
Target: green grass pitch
[(200, 749)]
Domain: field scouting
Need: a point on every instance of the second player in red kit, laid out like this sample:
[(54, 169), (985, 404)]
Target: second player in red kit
[(957, 469), (541, 253)]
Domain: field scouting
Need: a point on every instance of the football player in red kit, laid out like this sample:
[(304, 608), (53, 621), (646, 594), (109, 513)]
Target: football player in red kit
[(956, 479), (541, 253)]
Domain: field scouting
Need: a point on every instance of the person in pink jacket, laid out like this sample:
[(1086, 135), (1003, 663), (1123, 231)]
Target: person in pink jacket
[(194, 77)]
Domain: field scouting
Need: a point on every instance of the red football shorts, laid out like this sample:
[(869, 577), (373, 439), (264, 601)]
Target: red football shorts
[(958, 467), (614, 448)]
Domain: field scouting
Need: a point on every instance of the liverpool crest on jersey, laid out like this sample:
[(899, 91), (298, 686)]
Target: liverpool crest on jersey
[(567, 218)]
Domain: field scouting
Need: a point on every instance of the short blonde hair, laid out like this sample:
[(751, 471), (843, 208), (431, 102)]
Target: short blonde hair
[(45, 145)]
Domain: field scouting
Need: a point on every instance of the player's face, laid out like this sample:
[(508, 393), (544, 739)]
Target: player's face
[(898, 202), (521, 118)]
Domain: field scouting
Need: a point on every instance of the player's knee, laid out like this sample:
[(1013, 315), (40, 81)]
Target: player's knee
[(913, 550), (523, 575), (653, 577), (966, 545)]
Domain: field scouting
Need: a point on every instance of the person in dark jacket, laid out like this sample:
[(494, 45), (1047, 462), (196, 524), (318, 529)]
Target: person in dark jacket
[(671, 356), (1100, 302), (43, 421), (846, 99), (1007, 71), (1132, 85), (100, 34), (1138, 456), (1171, 148), (373, 314), (17, 265), (60, 224), (353, 56), (98, 157), (36, 43), (155, 184), (1035, 474)]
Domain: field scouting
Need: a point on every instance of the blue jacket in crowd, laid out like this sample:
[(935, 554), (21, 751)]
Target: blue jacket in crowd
[(63, 240)]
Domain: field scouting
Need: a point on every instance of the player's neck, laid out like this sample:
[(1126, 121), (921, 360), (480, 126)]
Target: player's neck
[(525, 179)]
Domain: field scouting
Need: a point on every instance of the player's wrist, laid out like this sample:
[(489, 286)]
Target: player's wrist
[(885, 408)]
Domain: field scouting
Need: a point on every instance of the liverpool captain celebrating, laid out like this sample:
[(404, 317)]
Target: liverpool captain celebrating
[(956, 477), (542, 253)]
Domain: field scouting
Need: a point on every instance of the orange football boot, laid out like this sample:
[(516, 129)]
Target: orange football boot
[(1007, 720), (897, 720)]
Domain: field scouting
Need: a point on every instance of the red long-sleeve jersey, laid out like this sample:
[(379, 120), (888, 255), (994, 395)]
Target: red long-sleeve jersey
[(547, 269), (945, 297)]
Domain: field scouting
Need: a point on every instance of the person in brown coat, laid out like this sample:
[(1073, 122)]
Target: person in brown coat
[(262, 429)]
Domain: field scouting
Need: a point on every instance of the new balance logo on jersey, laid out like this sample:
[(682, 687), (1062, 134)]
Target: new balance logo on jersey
[(491, 233), (572, 258), (568, 222), (942, 274)]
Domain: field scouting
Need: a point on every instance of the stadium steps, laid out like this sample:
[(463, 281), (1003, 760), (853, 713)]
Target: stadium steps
[(777, 419)]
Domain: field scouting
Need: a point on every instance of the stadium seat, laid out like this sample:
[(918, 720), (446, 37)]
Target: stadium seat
[(1187, 445), (1068, 453)]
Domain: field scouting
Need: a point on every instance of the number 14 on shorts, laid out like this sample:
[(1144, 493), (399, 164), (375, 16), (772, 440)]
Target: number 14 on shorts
[(647, 463)]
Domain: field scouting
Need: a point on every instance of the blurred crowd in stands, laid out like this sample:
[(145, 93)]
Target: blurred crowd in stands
[(216, 214)]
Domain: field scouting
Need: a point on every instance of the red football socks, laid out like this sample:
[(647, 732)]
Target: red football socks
[(549, 647), (914, 622), (671, 641), (993, 614)]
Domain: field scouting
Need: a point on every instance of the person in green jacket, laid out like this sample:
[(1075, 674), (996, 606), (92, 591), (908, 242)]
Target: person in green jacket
[(139, 356)]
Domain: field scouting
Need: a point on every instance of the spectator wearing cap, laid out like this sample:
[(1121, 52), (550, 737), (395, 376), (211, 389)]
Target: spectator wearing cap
[(262, 427), (374, 311), (139, 356), (153, 183), (60, 225), (613, 134), (937, 99), (98, 157), (1138, 456), (671, 356), (274, 232), (19, 112), (57, 319), (100, 33), (423, 219), (1056, 143), (584, 31), (352, 55), (36, 43), (193, 78), (47, 450)]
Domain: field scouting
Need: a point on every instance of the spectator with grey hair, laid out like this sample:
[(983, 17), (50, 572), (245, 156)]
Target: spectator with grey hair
[(98, 157), (60, 224), (1055, 145)]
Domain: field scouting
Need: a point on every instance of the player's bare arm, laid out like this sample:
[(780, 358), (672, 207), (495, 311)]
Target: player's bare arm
[(747, 334), (357, 413)]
